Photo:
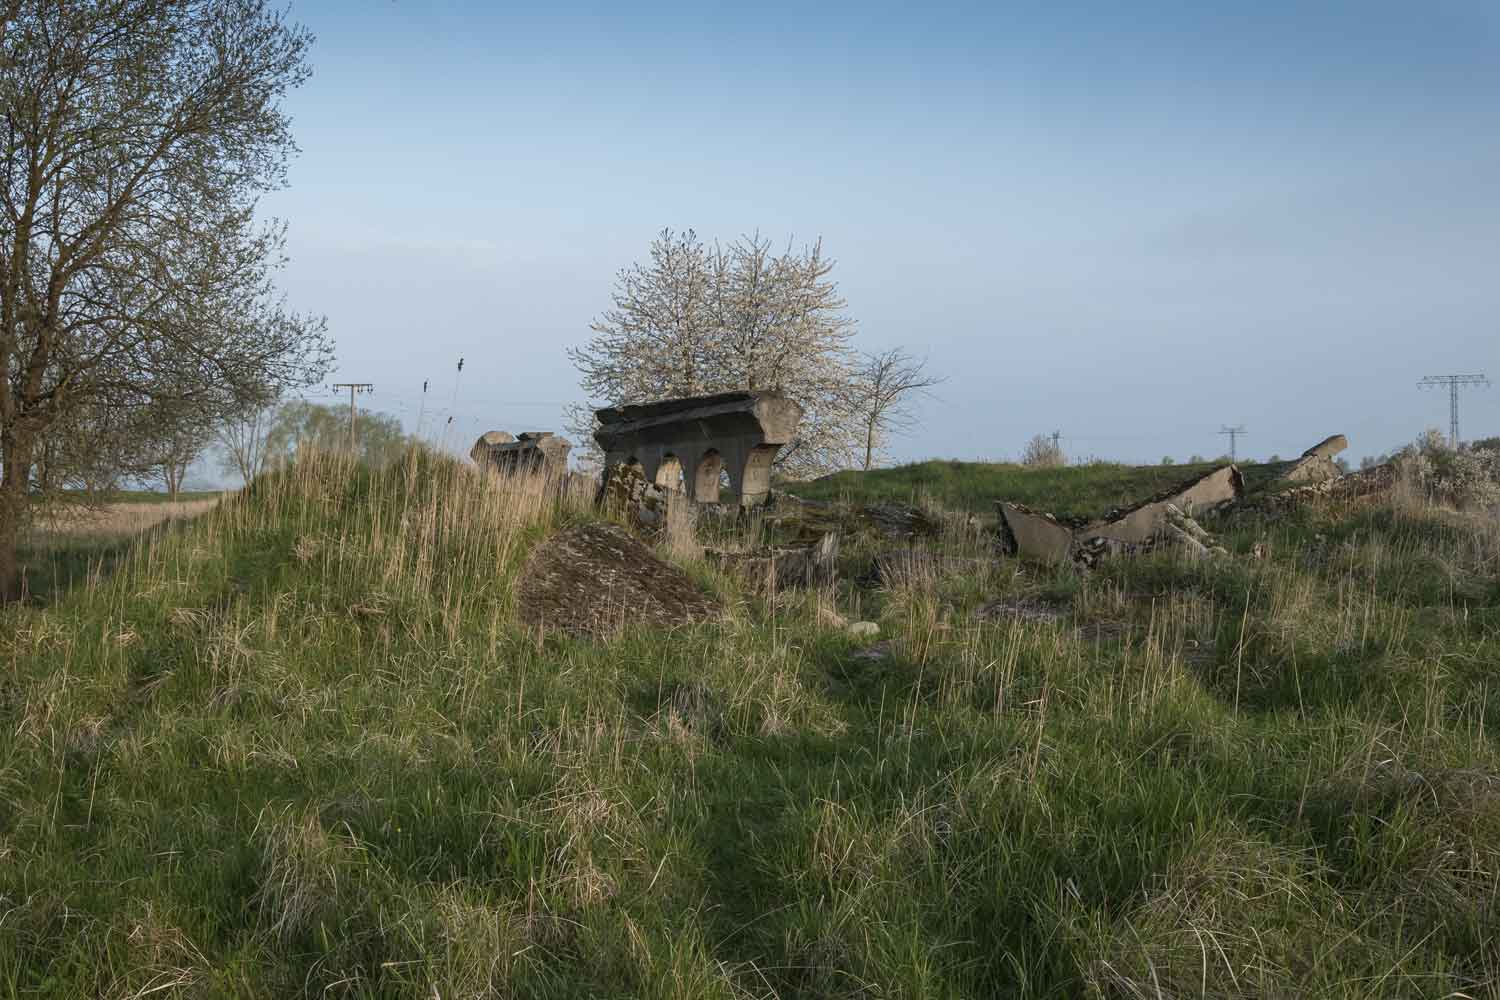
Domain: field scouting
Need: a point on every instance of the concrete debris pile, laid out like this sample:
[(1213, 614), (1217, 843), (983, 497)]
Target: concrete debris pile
[(1165, 519), (1173, 530), (1366, 484), (532, 452), (902, 522), (626, 491), (769, 570), (1316, 464)]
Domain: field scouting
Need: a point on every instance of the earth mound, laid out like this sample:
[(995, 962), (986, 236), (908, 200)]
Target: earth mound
[(590, 580)]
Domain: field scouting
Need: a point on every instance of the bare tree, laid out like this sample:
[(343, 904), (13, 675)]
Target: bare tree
[(176, 453), (699, 320), (136, 137), (580, 422), (243, 438), (885, 386)]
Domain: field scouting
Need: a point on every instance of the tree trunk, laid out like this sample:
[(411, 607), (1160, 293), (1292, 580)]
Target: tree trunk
[(13, 488), (869, 444)]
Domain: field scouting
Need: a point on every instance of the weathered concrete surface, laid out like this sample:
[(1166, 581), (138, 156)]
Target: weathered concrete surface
[(702, 436), (534, 451), (1033, 533), (1366, 484), (481, 451), (626, 491), (1039, 535), (1328, 447), (1174, 530), (1138, 525), (773, 569), (1312, 469), (1316, 464)]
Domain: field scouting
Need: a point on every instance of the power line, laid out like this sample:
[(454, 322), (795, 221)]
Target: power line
[(1452, 382), (353, 387), (1234, 433)]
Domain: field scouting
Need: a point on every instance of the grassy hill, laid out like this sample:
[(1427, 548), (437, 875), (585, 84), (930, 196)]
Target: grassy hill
[(1070, 491), (300, 747)]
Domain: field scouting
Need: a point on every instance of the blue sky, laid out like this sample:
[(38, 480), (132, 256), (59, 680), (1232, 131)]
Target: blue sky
[(1130, 222)]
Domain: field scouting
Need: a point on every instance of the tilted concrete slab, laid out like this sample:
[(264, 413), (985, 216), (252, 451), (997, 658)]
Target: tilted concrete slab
[(699, 437), (1328, 447), (1136, 525), (1043, 536), (1034, 534), (1316, 464), (534, 451), (1312, 469)]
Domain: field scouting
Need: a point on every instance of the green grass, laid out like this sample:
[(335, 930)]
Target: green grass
[(299, 748), (1071, 491)]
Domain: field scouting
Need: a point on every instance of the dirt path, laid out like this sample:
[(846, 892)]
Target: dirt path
[(116, 519)]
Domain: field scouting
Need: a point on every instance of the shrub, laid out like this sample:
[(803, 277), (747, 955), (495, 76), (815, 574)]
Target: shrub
[(1043, 453)]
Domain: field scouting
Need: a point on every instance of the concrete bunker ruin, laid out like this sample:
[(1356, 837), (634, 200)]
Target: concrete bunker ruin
[(532, 452), (1044, 536), (688, 443)]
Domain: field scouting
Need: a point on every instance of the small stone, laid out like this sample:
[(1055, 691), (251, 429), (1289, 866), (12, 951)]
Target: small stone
[(829, 618), (864, 630)]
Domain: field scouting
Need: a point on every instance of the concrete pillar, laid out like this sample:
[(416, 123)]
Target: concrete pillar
[(755, 480), (705, 477)]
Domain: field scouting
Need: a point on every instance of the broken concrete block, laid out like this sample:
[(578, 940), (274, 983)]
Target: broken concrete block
[(1124, 531), (769, 570), (1328, 447), (1374, 482), (1033, 533), (1140, 524), (1312, 469), (533, 452)]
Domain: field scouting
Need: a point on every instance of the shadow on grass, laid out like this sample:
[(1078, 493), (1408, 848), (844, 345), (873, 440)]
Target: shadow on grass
[(54, 565)]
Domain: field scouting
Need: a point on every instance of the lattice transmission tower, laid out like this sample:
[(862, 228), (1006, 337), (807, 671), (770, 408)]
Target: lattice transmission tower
[(1454, 383)]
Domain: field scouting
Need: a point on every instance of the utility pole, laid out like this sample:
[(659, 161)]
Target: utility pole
[(353, 387), (1452, 382), (1234, 433)]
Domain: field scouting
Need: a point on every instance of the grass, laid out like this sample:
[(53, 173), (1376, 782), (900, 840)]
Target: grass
[(299, 747), (1069, 491)]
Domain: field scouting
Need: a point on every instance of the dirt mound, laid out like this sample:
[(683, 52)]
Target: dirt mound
[(592, 579)]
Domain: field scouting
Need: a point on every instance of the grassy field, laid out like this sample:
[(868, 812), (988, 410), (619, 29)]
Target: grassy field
[(1070, 491), (299, 747), (159, 496)]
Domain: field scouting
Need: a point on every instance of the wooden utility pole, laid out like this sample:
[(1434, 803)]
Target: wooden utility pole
[(353, 387)]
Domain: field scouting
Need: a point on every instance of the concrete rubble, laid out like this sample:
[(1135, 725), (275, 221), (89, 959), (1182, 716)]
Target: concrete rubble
[(1166, 518), (778, 568), (532, 452), (1366, 484), (626, 491), (1317, 463)]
